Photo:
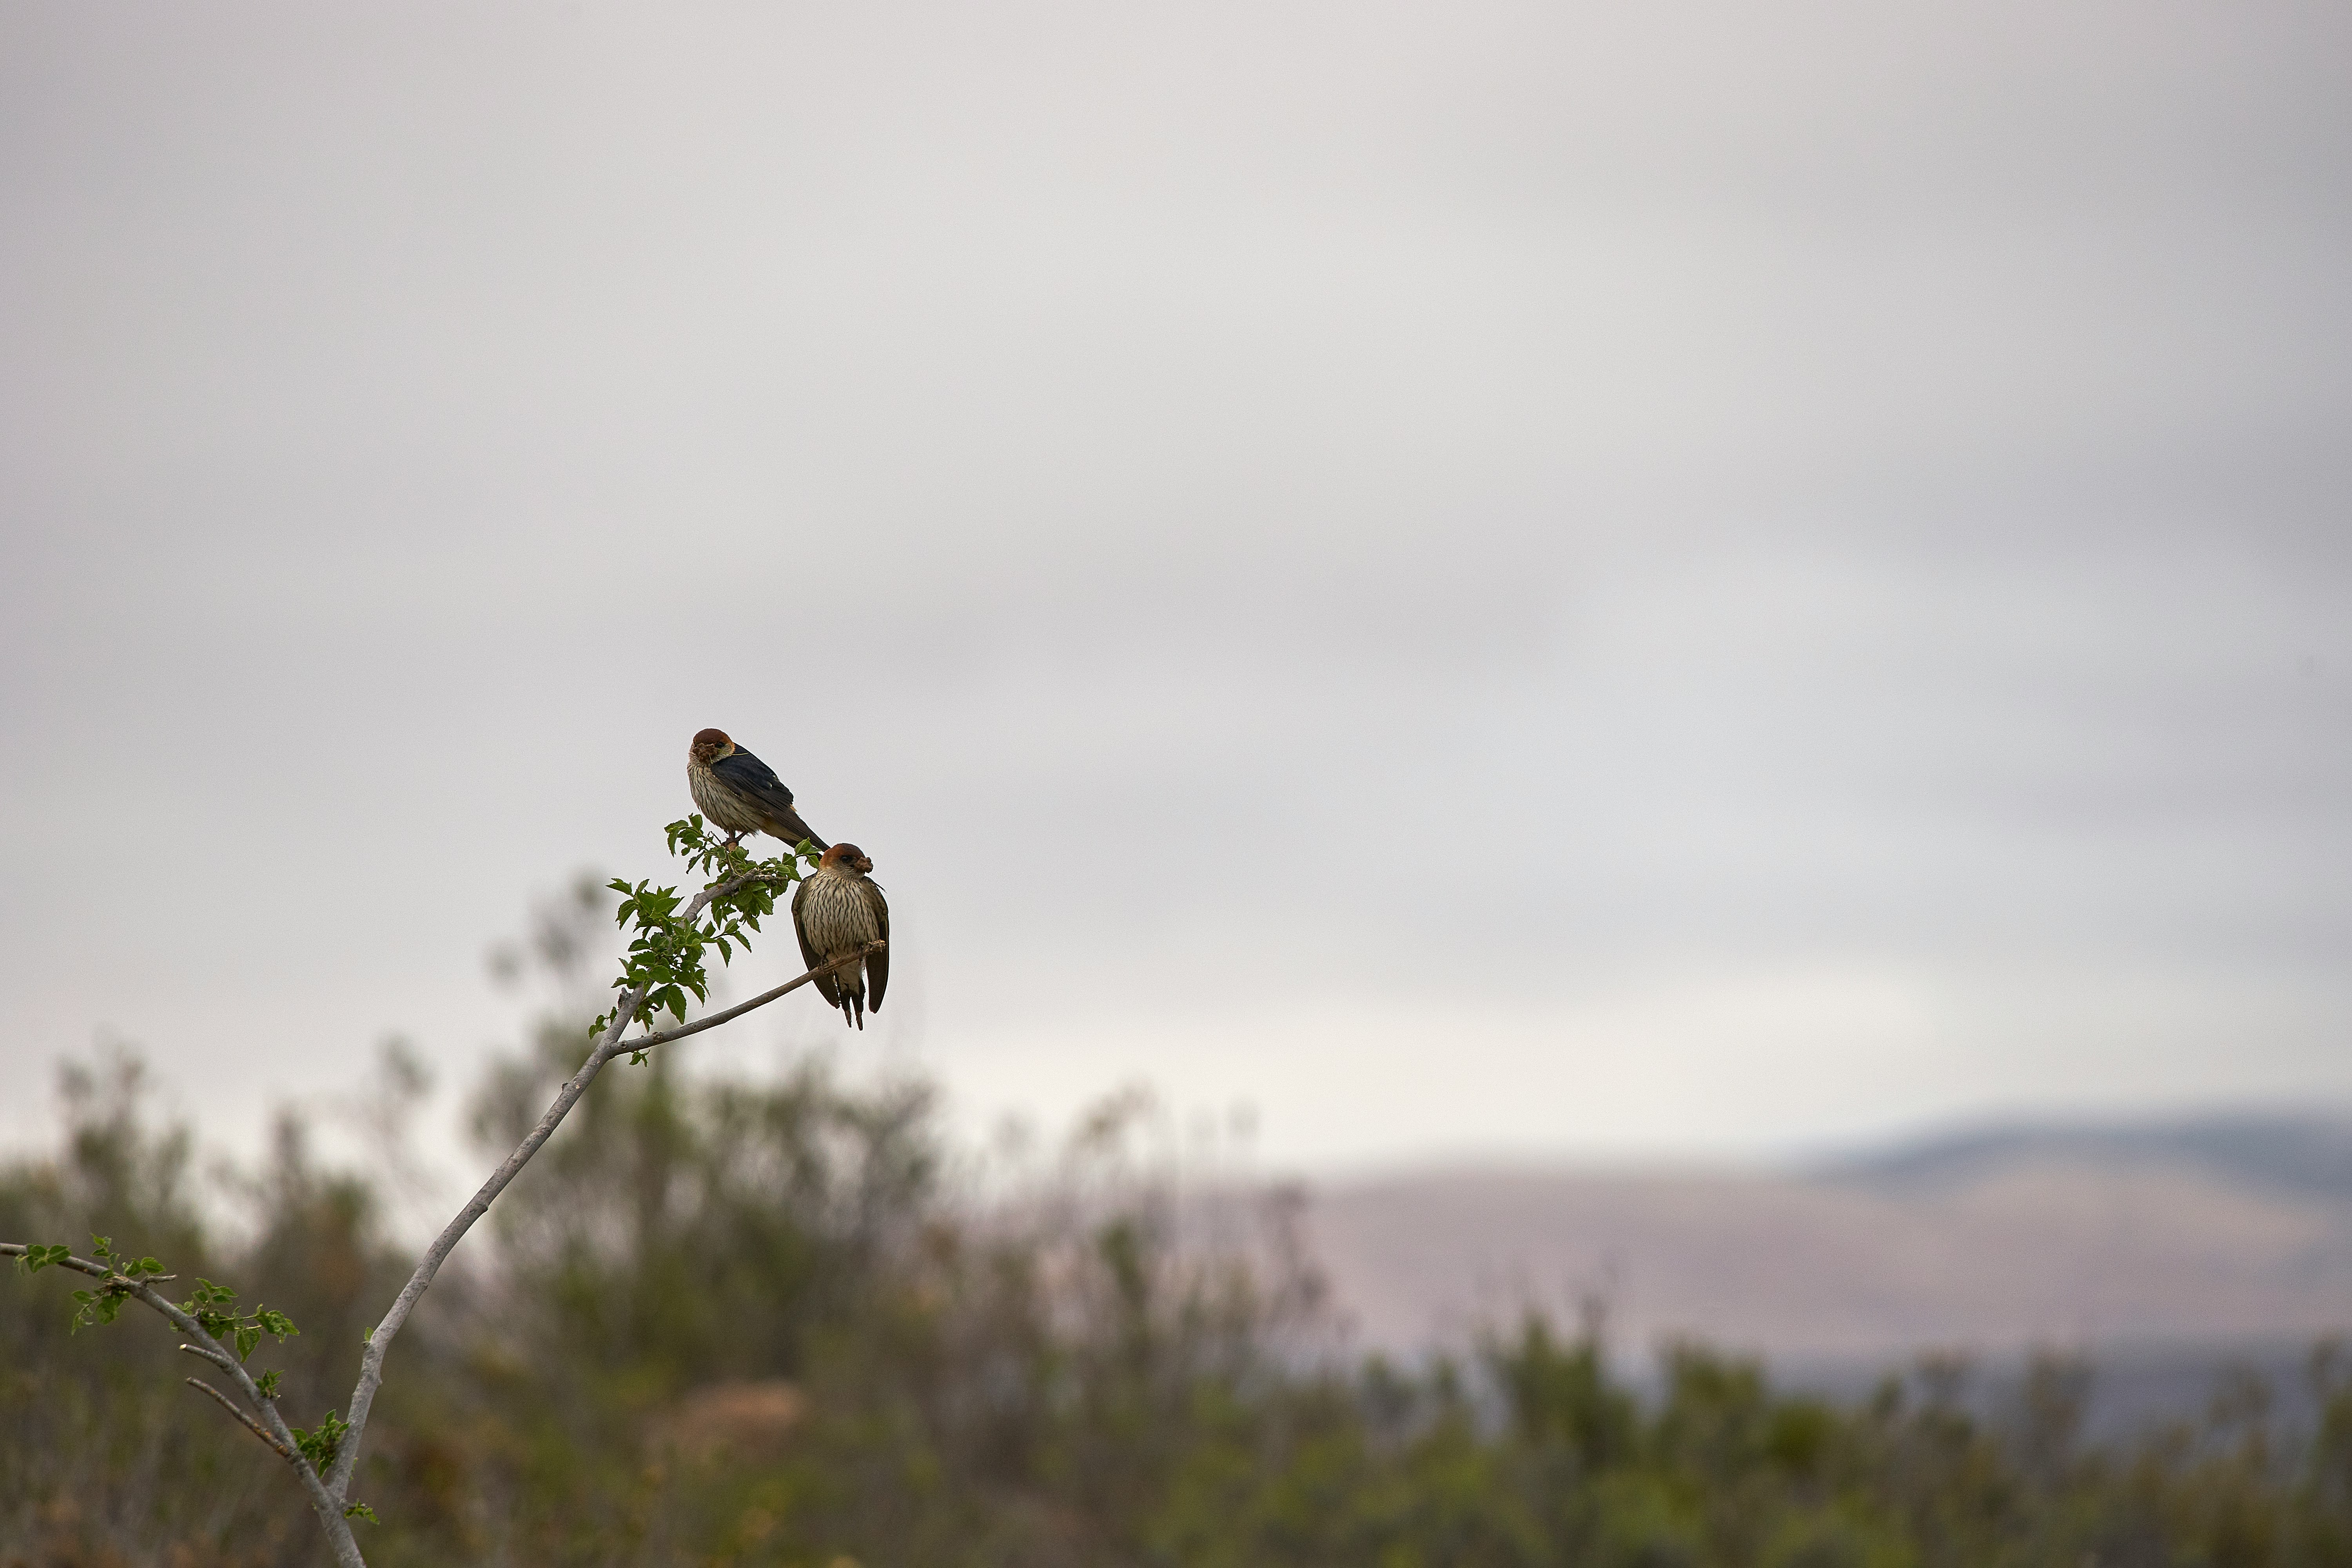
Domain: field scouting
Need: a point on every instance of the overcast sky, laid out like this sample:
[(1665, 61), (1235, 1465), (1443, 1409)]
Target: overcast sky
[(1563, 579)]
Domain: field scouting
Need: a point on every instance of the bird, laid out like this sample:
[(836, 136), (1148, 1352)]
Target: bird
[(739, 793), (836, 911)]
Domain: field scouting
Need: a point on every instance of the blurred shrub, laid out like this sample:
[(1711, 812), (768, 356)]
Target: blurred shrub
[(754, 1325)]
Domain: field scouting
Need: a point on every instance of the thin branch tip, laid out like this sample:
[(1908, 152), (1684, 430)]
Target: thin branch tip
[(663, 1037), (250, 1424)]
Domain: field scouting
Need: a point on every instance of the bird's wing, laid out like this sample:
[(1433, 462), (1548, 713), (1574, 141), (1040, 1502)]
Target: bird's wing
[(824, 985), (753, 777), (787, 825), (877, 967)]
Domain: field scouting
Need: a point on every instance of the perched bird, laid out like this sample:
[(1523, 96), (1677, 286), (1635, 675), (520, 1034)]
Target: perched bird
[(838, 911), (739, 793)]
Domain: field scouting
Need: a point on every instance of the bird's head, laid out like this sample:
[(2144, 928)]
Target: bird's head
[(848, 855), (709, 745)]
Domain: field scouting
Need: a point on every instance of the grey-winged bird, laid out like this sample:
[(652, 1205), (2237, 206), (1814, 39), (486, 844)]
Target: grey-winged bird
[(737, 791), (836, 911)]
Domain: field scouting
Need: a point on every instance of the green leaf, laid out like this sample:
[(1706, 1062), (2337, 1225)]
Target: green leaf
[(207, 1294), (361, 1510), (268, 1382), (319, 1446)]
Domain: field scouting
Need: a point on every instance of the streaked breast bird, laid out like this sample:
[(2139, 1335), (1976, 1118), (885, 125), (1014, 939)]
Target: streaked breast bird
[(737, 791), (836, 911)]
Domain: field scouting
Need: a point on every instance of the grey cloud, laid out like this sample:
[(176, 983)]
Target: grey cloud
[(1450, 507)]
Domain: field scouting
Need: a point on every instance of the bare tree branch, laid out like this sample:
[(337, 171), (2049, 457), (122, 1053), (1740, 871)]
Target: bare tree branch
[(327, 1505), (608, 1045), (328, 1494), (199, 1350), (251, 1425)]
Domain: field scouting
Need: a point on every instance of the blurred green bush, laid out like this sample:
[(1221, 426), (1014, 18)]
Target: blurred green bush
[(735, 1323)]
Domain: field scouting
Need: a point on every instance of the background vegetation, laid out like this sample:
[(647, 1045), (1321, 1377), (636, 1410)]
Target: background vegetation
[(766, 1324)]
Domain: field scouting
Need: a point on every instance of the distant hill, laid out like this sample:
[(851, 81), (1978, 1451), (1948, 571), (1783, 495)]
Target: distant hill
[(2222, 1230), (2299, 1155)]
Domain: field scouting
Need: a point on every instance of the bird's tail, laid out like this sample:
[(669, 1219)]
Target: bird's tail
[(788, 826), (850, 988)]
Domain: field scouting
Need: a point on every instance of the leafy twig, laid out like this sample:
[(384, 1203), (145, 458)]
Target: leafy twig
[(667, 953)]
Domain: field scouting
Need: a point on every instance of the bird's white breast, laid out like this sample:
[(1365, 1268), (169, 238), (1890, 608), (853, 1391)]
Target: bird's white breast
[(836, 916), (720, 805)]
